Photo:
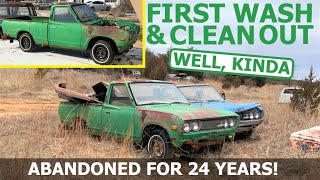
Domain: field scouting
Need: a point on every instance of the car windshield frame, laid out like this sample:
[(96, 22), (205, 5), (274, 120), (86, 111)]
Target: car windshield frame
[(88, 9), (218, 97), (180, 98)]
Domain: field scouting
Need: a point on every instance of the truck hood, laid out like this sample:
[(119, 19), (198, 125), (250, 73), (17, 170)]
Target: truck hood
[(127, 26), (225, 105), (183, 111)]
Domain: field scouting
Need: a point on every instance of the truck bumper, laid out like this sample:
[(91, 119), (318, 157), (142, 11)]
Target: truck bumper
[(133, 37), (5, 37), (248, 125), (126, 46), (200, 139)]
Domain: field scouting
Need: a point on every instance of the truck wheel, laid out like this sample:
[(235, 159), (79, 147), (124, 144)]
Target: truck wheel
[(108, 8), (102, 53), (26, 42), (159, 145)]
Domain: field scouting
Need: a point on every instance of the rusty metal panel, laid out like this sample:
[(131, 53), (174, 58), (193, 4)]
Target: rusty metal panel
[(74, 96), (306, 140)]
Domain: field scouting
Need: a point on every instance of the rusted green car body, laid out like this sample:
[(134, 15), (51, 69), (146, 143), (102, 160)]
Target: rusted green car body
[(135, 108), (74, 26)]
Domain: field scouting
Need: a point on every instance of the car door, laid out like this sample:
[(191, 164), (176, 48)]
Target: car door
[(64, 29), (95, 5), (99, 7), (102, 6), (118, 112)]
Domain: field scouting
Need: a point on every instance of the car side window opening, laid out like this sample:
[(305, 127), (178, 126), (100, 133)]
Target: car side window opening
[(63, 14), (120, 96), (288, 91)]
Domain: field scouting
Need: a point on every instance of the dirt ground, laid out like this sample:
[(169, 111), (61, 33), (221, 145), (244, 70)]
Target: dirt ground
[(30, 122)]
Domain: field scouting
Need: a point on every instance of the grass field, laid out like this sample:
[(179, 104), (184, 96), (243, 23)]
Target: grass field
[(31, 126)]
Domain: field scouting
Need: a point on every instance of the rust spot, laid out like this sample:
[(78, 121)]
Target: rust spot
[(309, 138)]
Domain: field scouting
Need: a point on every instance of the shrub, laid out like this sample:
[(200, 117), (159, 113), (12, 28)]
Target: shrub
[(260, 82), (308, 99), (40, 73), (125, 7), (230, 81), (236, 81), (156, 66), (226, 85), (249, 83)]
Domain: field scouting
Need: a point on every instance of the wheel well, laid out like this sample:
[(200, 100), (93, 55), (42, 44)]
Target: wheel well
[(148, 129), (112, 43), (21, 32)]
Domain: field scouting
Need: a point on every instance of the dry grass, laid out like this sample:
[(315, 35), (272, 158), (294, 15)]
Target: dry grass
[(30, 123)]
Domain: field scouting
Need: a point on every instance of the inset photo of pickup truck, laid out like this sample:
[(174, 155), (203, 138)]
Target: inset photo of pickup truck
[(69, 35)]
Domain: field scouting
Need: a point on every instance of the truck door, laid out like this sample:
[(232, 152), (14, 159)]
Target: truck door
[(118, 111), (64, 29)]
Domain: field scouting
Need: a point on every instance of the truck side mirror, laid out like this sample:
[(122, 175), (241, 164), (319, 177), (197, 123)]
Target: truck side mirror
[(223, 94)]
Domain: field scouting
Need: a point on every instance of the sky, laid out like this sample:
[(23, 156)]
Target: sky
[(304, 56)]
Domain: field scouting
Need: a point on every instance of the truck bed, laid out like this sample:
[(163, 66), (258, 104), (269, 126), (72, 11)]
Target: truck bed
[(36, 26)]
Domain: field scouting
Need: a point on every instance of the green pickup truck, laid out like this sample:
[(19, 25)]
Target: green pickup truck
[(154, 114), (73, 26)]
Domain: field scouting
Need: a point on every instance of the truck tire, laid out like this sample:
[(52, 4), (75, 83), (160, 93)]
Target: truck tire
[(26, 42), (102, 53), (92, 8), (108, 8), (159, 145)]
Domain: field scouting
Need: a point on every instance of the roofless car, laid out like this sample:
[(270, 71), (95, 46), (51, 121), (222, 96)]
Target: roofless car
[(154, 114), (74, 26)]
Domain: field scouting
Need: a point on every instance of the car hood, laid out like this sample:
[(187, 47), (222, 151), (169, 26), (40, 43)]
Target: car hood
[(225, 105), (124, 25), (183, 111)]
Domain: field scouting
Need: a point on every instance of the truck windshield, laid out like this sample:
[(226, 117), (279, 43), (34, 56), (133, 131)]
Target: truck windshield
[(200, 93), (85, 13), (156, 93)]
